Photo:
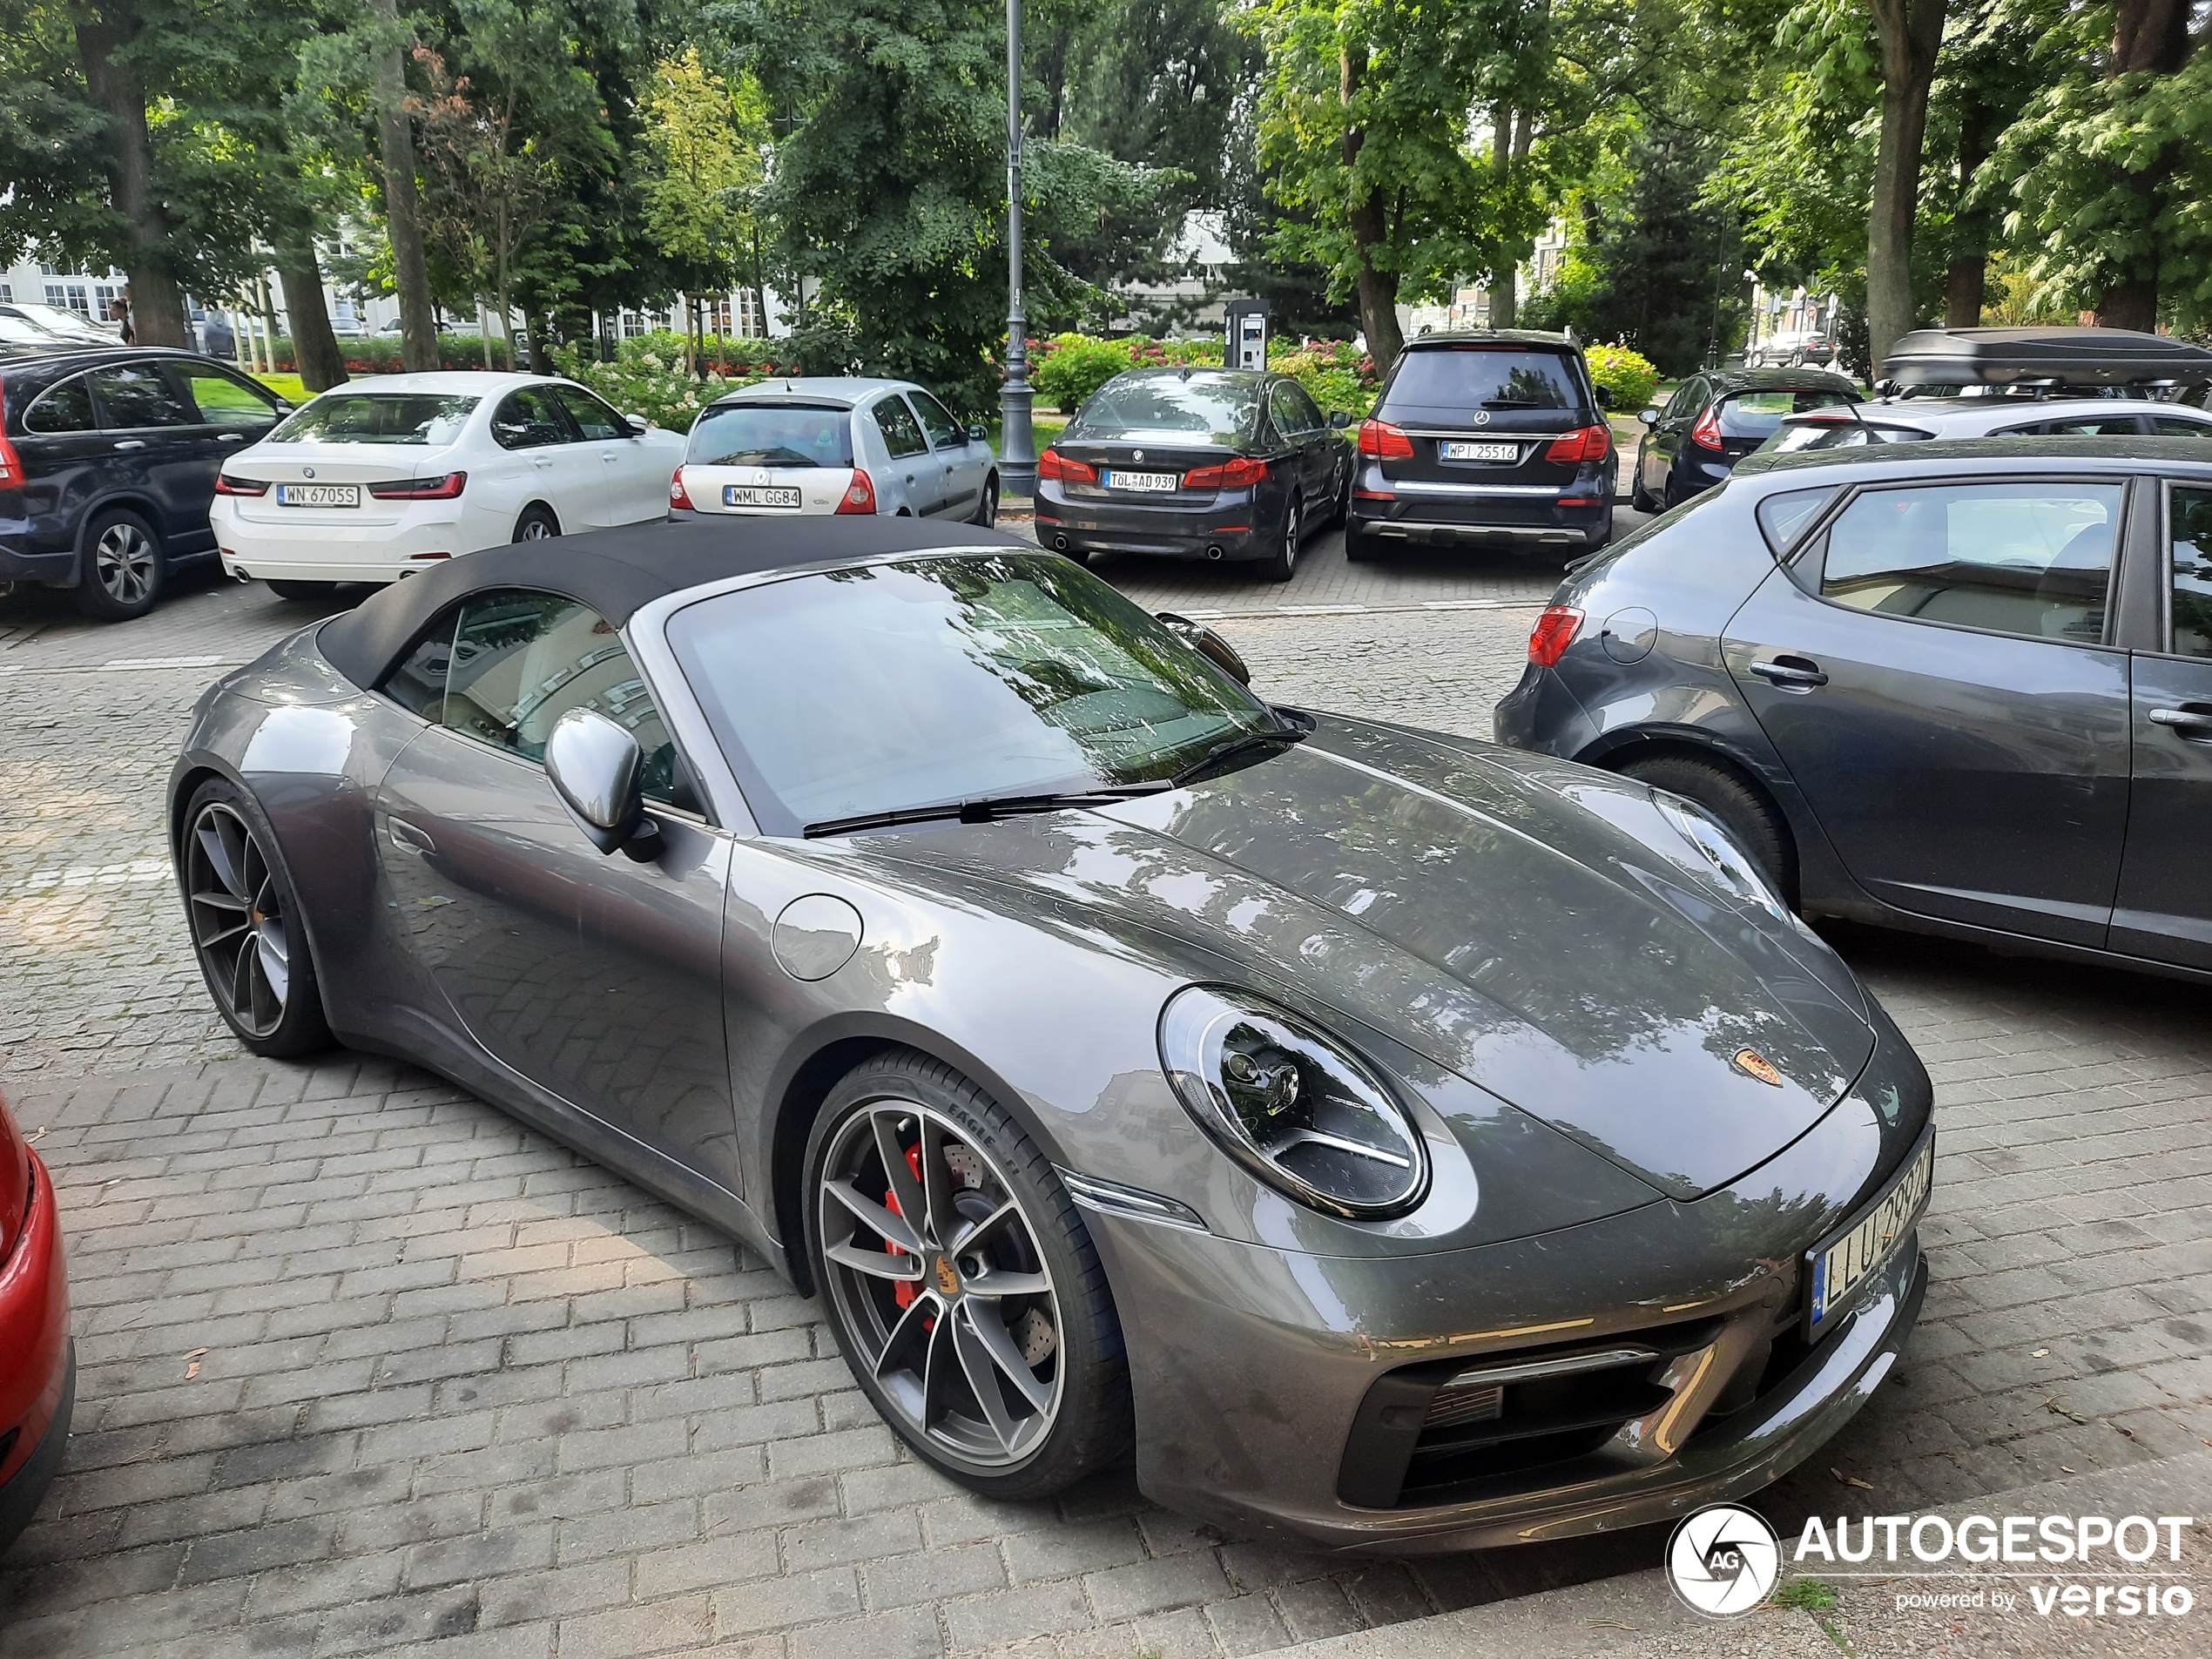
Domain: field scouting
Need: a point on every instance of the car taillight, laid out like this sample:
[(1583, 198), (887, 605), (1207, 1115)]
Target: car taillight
[(1707, 431), (1384, 441), (859, 494), (1588, 443), (1554, 632), (445, 487), (1053, 464), (678, 496), (1229, 474), (227, 485)]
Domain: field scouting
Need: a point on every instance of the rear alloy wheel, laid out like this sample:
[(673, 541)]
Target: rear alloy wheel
[(1284, 565), (124, 568), (537, 524), (964, 1288), (245, 927)]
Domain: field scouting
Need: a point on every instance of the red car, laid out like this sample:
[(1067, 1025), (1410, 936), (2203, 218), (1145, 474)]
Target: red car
[(37, 1361)]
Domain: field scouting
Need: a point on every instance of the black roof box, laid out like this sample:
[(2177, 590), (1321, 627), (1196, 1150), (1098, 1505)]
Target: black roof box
[(2026, 356)]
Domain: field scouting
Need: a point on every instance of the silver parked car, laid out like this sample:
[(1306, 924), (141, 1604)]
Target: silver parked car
[(1401, 1142), (1911, 419), (829, 445)]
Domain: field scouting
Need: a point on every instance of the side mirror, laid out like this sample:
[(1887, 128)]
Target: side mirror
[(1649, 417), (1338, 420), (594, 764), (1209, 644), (976, 432), (1604, 395), (639, 424)]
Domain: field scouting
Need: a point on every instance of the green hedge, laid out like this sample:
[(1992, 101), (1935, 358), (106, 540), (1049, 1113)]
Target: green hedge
[(379, 354), (1630, 375), (1069, 368)]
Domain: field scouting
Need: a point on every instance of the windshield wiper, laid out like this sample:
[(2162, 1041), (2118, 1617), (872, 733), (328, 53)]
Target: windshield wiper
[(1222, 752), (982, 809), (1515, 403)]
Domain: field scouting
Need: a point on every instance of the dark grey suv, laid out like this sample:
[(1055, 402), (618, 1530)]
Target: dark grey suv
[(1964, 688), (108, 459), (1496, 438)]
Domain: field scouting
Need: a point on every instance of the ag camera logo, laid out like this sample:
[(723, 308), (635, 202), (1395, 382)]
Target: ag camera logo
[(1723, 1560)]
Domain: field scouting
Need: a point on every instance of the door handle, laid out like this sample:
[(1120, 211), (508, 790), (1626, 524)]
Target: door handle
[(230, 437), (409, 839), (2191, 725), (132, 443), (543, 462), (1791, 673)]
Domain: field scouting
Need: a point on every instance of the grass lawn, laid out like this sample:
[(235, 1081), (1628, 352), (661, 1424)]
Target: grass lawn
[(1044, 428), (287, 386)]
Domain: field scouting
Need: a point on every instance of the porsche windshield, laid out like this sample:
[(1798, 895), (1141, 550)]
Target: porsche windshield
[(931, 680)]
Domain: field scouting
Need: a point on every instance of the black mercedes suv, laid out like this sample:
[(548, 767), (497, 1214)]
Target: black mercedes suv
[(1496, 438), (108, 458)]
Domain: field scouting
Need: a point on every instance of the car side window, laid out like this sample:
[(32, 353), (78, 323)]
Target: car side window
[(528, 418), (1295, 413), (65, 407), (901, 432), (944, 432), (2033, 559), (2190, 524), (1689, 398), (229, 401), (2099, 426), (139, 395), (594, 419), (520, 660), (2172, 426), (418, 685)]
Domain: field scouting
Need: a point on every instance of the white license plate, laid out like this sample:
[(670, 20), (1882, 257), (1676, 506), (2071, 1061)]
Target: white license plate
[(1117, 479), (1454, 451), (318, 495), (1838, 1267), (760, 495)]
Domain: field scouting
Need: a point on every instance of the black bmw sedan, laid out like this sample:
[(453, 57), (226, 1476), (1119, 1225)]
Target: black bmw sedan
[(1196, 464)]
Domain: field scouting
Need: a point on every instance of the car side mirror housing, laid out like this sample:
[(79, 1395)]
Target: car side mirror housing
[(1649, 417), (1209, 644), (639, 424), (975, 433), (1604, 395), (1338, 420), (594, 766)]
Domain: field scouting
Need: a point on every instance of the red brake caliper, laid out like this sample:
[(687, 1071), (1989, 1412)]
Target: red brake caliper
[(903, 1292)]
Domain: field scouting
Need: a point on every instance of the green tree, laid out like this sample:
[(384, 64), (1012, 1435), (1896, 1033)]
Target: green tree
[(705, 136)]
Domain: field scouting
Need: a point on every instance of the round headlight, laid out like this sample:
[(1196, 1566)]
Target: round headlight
[(1293, 1106)]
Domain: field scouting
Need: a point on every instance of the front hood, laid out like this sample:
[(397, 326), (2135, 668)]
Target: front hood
[(1508, 921)]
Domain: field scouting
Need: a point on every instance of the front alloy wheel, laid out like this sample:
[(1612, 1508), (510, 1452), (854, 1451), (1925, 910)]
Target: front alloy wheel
[(937, 1280), (246, 929)]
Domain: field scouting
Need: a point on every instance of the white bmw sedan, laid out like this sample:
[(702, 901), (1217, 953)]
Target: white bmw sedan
[(384, 476)]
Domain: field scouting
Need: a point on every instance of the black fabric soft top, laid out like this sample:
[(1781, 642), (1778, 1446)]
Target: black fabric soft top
[(617, 571)]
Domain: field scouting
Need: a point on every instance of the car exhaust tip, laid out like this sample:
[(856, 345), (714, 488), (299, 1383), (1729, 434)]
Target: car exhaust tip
[(1214, 552), (242, 576), (1060, 544)]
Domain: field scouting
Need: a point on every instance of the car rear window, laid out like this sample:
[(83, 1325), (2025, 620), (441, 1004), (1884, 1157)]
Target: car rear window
[(1483, 377), (423, 418), (773, 434), (1197, 410), (1757, 415), (1837, 434)]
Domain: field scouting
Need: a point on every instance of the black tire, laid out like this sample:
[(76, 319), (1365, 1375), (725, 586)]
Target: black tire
[(1747, 813), (537, 523), (303, 589), (258, 967), (987, 509), (939, 1413), (124, 567), (1282, 565), (1360, 549), (1639, 497), (1340, 509), (1604, 536)]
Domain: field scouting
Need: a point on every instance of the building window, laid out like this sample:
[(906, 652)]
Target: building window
[(71, 295), (748, 314)]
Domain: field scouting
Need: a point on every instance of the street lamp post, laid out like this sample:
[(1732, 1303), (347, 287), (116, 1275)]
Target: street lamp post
[(1017, 443)]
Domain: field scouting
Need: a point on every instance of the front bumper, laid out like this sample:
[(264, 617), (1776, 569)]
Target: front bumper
[(1259, 1374), (38, 1364)]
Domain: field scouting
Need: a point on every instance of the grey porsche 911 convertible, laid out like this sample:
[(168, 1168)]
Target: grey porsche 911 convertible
[(1399, 1143)]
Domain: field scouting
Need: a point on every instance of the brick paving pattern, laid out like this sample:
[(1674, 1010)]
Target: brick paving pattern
[(368, 1367)]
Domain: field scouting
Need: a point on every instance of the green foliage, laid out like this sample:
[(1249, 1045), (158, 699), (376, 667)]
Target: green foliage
[(705, 138), (1808, 1595), (647, 377), (1077, 366), (379, 354), (1071, 366), (1628, 374)]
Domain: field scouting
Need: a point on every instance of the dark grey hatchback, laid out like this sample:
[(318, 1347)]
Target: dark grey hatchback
[(108, 460), (1964, 688)]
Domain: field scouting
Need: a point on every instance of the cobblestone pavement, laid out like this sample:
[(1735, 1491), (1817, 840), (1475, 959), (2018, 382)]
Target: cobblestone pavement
[(368, 1367)]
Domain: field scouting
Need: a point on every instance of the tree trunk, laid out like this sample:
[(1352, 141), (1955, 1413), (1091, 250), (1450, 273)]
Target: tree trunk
[(2147, 37), (266, 301), (403, 210), (1910, 31), (1375, 289), (1965, 284), (104, 38), (314, 348)]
